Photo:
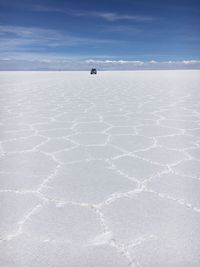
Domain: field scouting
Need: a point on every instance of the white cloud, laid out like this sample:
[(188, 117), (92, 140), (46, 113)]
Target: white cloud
[(109, 16), (189, 62), (170, 62), (16, 38), (6, 59), (30, 61), (134, 62), (43, 8), (106, 15), (112, 16), (152, 62)]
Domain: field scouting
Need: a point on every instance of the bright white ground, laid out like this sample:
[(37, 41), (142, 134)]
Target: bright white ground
[(100, 171)]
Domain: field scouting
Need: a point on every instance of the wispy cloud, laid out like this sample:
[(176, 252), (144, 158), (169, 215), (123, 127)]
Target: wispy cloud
[(191, 62), (32, 38), (136, 62), (42, 8), (53, 62), (112, 16), (120, 62), (108, 16), (126, 29)]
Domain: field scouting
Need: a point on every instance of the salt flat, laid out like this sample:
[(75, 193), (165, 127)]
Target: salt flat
[(100, 171)]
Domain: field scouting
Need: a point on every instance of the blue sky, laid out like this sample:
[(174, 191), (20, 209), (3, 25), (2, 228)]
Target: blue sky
[(112, 34)]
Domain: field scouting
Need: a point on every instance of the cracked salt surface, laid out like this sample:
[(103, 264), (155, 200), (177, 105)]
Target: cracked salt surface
[(100, 171)]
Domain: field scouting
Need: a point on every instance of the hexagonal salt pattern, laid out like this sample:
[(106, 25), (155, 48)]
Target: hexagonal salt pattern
[(138, 168), (131, 142), (100, 171), (157, 231), (162, 155), (14, 209), (66, 223), (28, 163), (88, 182), (23, 252), (183, 189)]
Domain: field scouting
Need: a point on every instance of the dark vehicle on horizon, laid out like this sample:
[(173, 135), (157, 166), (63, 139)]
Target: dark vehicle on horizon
[(93, 71)]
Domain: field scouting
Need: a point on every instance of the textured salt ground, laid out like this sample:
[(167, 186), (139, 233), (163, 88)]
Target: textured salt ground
[(100, 170)]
